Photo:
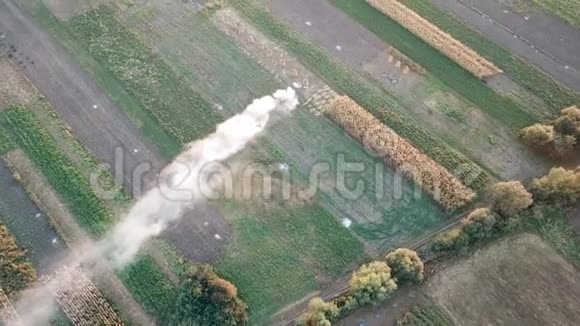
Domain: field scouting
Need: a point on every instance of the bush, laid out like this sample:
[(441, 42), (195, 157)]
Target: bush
[(559, 185), (569, 121), (510, 198), (15, 270), (538, 136), (204, 298), (406, 266), (479, 224), (371, 284), (454, 239), (319, 313)]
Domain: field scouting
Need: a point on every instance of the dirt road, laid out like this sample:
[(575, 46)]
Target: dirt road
[(540, 39)]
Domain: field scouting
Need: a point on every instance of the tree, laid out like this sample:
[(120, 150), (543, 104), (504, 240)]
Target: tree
[(204, 298), (509, 198), (479, 223), (569, 121), (406, 266), (564, 144), (371, 284), (538, 135), (319, 313), (559, 184)]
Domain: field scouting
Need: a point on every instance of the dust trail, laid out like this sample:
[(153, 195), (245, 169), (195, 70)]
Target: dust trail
[(180, 186)]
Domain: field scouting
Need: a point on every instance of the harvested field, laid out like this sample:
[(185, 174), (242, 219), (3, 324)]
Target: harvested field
[(519, 281), (400, 154), (452, 48), (80, 299), (267, 53), (7, 312)]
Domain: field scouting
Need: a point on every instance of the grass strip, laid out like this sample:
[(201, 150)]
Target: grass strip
[(384, 106), (555, 95), (73, 188), (178, 109), (502, 109), (568, 10)]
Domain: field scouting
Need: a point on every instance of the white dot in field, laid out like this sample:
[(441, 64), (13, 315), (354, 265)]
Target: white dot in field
[(505, 11), (296, 85), (135, 150), (339, 48), (95, 106), (217, 236), (55, 240), (346, 222), (308, 23), (37, 215), (566, 67), (527, 18)]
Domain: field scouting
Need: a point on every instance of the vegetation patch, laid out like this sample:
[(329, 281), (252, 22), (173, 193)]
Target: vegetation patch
[(149, 286), (178, 109), (6, 143), (552, 93), (454, 76), (279, 255), (75, 190), (424, 315), (569, 10), (431, 34), (16, 272), (384, 106)]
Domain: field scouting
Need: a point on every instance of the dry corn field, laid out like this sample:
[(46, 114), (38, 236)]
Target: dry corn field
[(80, 299), (445, 188), (445, 43), (7, 312)]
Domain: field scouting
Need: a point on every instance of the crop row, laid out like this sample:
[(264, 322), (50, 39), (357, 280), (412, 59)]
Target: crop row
[(177, 108), (552, 93), (80, 299), (503, 109), (5, 142), (381, 104), (89, 211), (7, 312), (400, 154), (72, 187), (445, 43)]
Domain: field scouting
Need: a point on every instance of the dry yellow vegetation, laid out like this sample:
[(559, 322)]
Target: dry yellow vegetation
[(80, 299), (444, 187), (7, 312), (445, 43)]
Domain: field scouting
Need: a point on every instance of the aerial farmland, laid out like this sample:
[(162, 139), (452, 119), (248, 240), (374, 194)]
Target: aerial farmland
[(277, 162)]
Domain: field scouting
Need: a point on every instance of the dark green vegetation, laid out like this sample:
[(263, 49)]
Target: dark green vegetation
[(89, 210), (501, 108), (178, 109), (149, 286), (424, 315), (206, 299), (279, 255), (75, 190), (552, 93), (5, 142), (16, 272), (384, 106), (166, 143)]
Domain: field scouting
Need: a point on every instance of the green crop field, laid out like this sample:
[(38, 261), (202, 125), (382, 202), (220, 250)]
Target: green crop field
[(5, 142), (384, 106), (166, 143), (503, 109), (178, 109), (29, 135), (569, 10), (280, 255), (552, 93), (425, 315)]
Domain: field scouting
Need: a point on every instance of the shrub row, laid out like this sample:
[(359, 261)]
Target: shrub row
[(382, 105), (399, 153), (432, 35)]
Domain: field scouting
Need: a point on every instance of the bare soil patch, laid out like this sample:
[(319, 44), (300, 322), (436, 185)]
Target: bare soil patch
[(519, 281), (14, 87)]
